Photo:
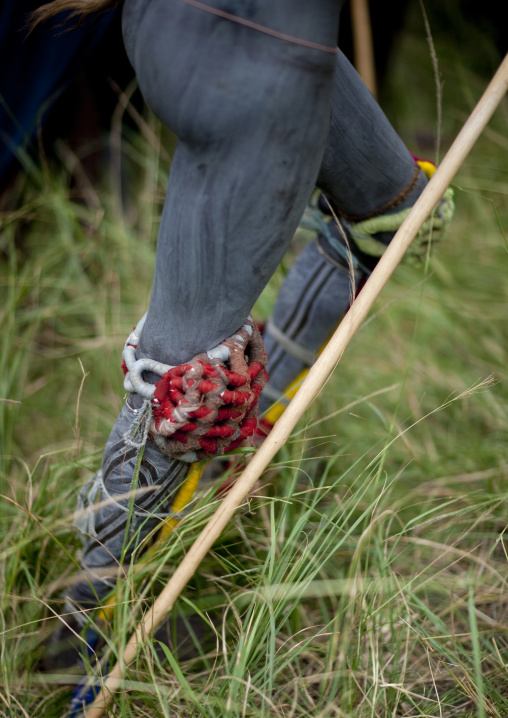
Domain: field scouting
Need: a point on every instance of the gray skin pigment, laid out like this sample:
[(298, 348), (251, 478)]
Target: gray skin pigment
[(260, 122), (252, 113)]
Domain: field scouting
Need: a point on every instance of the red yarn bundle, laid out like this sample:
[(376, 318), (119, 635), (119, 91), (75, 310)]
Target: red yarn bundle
[(208, 406)]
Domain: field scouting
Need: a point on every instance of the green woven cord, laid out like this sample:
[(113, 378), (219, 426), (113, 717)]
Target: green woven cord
[(433, 230)]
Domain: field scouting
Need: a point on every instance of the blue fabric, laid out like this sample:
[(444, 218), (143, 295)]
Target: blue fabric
[(86, 692), (36, 68)]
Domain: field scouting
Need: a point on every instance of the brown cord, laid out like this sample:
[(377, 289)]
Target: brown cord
[(262, 28)]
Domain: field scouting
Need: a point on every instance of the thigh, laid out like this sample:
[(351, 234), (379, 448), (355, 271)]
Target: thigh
[(205, 75), (252, 114)]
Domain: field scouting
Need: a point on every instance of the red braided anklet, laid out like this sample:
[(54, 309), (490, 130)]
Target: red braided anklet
[(205, 407)]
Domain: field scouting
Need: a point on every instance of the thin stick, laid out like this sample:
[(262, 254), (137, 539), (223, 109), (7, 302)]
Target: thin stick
[(315, 380), (362, 43)]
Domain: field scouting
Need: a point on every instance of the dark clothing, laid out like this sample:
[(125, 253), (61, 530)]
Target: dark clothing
[(36, 70)]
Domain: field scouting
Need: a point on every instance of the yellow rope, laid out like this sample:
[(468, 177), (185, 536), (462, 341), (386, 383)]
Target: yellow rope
[(275, 412), (428, 168), (182, 499)]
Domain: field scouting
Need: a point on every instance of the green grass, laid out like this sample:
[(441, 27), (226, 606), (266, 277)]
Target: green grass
[(367, 575)]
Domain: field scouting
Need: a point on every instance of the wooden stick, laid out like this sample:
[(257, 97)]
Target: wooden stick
[(313, 383), (363, 46)]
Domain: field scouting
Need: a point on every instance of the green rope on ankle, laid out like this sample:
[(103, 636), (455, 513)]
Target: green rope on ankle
[(432, 232)]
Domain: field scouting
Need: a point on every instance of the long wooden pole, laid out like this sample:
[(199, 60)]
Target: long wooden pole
[(363, 45), (313, 383)]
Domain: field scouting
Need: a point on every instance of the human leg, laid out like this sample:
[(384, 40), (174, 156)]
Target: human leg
[(249, 153), (252, 113), (366, 171)]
